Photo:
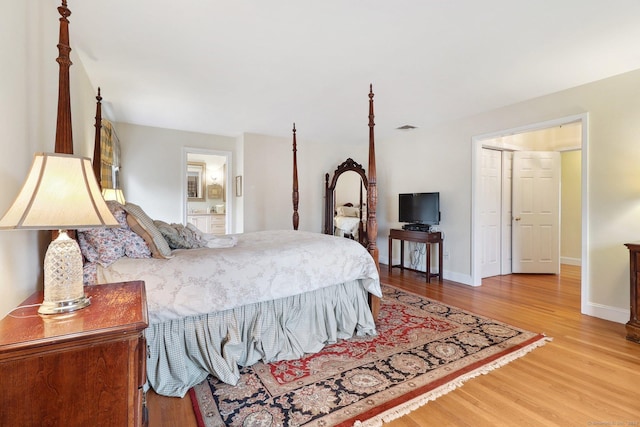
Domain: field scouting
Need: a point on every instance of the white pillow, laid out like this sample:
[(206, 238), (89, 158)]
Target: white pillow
[(348, 211)]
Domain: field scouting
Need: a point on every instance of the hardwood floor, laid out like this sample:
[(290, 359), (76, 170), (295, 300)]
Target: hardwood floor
[(589, 375)]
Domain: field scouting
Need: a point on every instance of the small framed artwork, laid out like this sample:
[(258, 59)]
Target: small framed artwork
[(238, 185)]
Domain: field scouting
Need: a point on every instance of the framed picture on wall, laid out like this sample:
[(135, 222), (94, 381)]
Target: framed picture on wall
[(214, 191)]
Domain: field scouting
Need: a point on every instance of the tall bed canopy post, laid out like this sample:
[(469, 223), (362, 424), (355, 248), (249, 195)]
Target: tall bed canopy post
[(328, 215), (372, 193), (64, 130), (97, 155), (64, 135), (372, 201), (295, 194)]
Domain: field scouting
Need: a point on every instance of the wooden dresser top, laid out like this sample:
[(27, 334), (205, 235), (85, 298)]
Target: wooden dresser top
[(116, 308)]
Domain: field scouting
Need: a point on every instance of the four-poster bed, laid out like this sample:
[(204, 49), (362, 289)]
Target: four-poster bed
[(249, 315), (372, 198), (267, 296)]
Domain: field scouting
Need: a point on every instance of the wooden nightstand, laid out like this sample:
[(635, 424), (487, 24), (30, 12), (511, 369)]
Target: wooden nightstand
[(85, 368)]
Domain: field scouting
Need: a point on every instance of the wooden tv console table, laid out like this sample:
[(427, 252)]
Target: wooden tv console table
[(418, 237)]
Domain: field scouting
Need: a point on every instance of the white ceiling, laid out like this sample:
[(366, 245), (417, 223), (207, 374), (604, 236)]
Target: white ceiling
[(227, 67)]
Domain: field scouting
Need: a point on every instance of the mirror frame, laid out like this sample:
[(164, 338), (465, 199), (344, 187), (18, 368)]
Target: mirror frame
[(197, 170), (346, 166)]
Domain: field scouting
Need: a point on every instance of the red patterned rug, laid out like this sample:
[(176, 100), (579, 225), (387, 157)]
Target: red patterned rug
[(423, 350)]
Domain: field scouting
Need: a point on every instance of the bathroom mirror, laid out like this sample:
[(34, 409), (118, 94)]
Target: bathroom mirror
[(196, 181)]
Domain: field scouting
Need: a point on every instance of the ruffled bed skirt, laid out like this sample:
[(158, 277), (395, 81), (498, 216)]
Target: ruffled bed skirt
[(183, 352)]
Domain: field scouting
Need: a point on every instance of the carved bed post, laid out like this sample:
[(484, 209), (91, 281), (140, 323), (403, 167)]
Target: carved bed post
[(372, 201), (328, 202), (372, 193), (64, 133), (295, 195), (97, 154), (64, 136)]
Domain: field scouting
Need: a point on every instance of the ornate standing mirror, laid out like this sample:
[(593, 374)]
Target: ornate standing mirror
[(345, 202)]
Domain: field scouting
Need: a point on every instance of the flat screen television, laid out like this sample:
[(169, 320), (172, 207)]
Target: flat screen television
[(419, 208)]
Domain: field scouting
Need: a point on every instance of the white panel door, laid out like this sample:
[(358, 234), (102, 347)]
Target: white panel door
[(507, 183), (490, 211), (536, 212)]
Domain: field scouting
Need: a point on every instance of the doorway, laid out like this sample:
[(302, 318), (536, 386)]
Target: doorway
[(206, 195), (520, 205), (506, 141)]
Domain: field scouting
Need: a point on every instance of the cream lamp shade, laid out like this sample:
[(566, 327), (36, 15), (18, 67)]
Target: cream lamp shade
[(113, 194), (60, 193)]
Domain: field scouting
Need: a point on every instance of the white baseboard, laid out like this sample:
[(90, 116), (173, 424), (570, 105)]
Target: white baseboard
[(570, 261), (613, 314), (464, 279)]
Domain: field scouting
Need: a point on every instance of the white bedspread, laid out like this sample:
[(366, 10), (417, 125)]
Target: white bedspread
[(347, 224), (263, 266)]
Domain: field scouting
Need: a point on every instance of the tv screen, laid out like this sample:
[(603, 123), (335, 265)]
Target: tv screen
[(419, 208)]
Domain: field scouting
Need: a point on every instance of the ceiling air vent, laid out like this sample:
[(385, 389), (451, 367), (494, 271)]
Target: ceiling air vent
[(406, 127)]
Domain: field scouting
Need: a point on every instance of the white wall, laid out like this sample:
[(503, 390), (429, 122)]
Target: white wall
[(28, 108), (434, 159), (426, 161), (440, 157), (268, 180), (571, 208), (152, 165)]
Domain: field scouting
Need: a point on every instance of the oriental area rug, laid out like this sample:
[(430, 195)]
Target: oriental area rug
[(423, 350)]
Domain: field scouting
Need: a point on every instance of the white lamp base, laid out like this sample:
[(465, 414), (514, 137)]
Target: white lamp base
[(63, 288)]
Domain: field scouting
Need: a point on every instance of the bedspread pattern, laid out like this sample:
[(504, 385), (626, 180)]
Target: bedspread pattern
[(263, 266)]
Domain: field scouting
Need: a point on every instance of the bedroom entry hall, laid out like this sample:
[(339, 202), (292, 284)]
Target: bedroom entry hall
[(528, 216), (206, 190)]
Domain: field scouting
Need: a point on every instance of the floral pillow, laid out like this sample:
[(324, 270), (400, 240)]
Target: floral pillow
[(104, 243), (134, 245), (89, 273), (90, 253), (107, 245)]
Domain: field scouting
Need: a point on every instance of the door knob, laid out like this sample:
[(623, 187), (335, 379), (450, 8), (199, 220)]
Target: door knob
[(516, 218)]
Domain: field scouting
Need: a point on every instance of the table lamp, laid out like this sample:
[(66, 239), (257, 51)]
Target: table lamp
[(60, 193)]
